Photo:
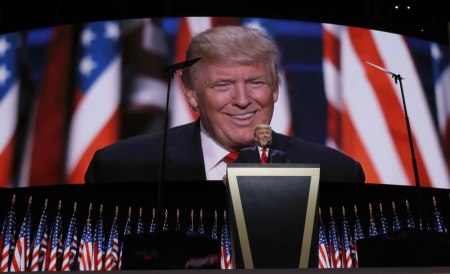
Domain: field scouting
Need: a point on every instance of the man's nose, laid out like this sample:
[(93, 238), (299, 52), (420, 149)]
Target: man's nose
[(240, 96)]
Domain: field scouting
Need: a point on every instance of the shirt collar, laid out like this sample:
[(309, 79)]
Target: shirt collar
[(213, 152)]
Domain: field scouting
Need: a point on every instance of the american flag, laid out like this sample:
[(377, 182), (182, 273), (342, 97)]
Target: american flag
[(347, 260), (214, 232), (152, 227), (358, 234), (127, 231), (177, 222), (140, 223), (44, 153), (373, 231), (225, 247), (112, 250), (384, 225), (9, 102), (51, 261), (410, 223), (99, 242), (201, 226), (165, 224), (71, 243), (378, 139), (39, 242), (95, 119), (7, 238), (324, 260), (439, 224), (22, 250), (85, 257), (441, 72), (335, 253), (396, 226), (191, 224)]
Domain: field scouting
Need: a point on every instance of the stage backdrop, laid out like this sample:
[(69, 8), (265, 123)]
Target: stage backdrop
[(68, 90)]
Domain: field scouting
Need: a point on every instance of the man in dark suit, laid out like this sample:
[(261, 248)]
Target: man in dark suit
[(234, 88), (262, 152)]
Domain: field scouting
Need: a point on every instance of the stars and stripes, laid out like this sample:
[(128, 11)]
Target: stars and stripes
[(95, 119), (22, 249), (71, 243), (378, 139), (99, 242), (335, 250), (86, 258), (112, 250), (324, 260), (347, 260), (7, 240), (126, 231), (396, 225), (9, 103), (40, 242), (358, 234), (140, 223), (225, 247), (384, 225), (51, 261)]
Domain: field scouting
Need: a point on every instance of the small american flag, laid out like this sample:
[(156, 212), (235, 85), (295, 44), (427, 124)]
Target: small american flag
[(439, 224), (347, 260), (7, 237), (112, 250), (51, 258), (99, 239), (22, 250), (86, 249), (127, 231), (140, 223), (39, 242), (410, 223), (324, 260), (384, 225), (358, 235), (335, 253), (201, 226), (396, 226), (71, 243), (373, 231), (225, 247), (152, 227), (214, 232)]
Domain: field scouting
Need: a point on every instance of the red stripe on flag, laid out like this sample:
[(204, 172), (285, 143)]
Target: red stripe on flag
[(6, 163), (108, 135), (332, 48), (366, 49)]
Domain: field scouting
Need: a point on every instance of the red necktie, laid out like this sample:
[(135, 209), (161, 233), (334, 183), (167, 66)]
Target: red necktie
[(230, 157), (264, 156)]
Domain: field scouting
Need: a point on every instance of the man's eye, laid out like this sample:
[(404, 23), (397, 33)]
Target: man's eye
[(257, 84), (222, 86)]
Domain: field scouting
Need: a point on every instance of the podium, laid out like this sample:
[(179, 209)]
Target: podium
[(273, 220)]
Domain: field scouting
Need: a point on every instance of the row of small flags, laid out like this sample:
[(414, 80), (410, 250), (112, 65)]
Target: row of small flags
[(50, 249), (337, 248)]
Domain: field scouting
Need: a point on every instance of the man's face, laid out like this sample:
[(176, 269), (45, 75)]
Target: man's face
[(262, 136), (232, 100)]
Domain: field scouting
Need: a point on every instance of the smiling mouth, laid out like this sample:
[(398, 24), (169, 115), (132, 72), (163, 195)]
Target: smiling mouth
[(243, 116)]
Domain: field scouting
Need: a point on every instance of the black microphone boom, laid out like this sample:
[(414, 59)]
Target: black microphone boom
[(171, 72)]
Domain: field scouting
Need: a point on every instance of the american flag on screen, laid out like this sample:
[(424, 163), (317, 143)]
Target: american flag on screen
[(45, 149), (22, 250), (55, 239), (7, 238), (112, 249), (9, 103), (366, 117), (95, 120), (39, 242), (70, 244), (324, 260), (441, 73)]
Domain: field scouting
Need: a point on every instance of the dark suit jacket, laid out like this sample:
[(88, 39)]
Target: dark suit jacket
[(251, 155), (138, 159)]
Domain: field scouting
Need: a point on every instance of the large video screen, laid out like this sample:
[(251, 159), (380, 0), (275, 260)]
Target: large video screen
[(340, 86)]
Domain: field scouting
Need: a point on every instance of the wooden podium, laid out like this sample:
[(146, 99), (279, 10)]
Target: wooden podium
[(272, 215)]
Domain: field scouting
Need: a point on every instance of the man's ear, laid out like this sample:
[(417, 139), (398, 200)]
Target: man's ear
[(191, 97), (275, 94)]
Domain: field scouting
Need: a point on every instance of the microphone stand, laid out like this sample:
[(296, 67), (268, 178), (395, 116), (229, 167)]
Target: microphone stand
[(170, 71), (398, 79)]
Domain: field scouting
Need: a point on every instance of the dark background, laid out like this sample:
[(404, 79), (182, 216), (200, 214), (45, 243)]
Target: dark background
[(423, 19)]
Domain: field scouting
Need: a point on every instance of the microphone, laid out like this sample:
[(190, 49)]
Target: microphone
[(181, 65)]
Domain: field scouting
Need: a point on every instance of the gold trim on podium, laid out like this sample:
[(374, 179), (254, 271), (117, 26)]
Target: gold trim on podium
[(295, 171)]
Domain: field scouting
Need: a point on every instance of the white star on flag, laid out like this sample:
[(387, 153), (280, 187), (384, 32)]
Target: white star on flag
[(87, 37), (4, 74), (87, 65), (4, 46), (112, 30)]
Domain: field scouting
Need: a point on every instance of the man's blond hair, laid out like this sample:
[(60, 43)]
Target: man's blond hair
[(261, 126)]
